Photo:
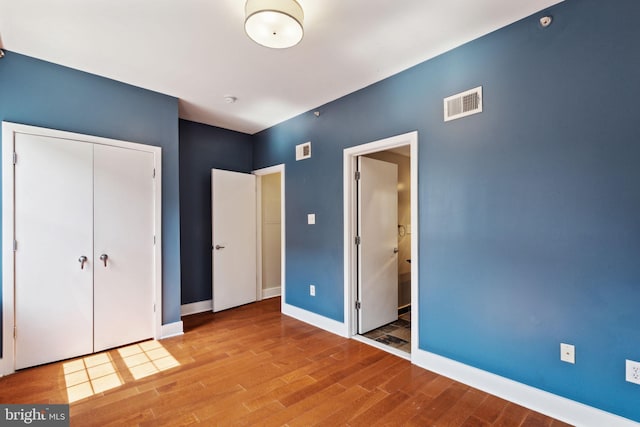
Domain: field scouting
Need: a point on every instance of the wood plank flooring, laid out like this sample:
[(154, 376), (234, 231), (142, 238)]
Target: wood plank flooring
[(253, 366)]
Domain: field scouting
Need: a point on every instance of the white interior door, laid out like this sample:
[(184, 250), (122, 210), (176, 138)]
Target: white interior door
[(233, 207), (124, 247), (377, 254), (53, 230)]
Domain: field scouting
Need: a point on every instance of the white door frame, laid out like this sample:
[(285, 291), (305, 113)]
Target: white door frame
[(7, 362), (350, 228), (259, 173)]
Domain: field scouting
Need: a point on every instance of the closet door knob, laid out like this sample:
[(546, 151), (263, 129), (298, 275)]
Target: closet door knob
[(82, 260), (104, 258), (218, 247)]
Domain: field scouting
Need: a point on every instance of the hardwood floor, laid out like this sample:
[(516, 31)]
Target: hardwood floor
[(253, 366)]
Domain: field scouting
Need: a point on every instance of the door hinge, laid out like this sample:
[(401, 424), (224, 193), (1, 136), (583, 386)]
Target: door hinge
[(357, 240), (154, 240), (154, 308), (15, 158), (357, 175), (15, 245), (154, 172), (358, 305), (15, 332)]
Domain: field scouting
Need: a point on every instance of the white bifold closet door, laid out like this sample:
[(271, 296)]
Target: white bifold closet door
[(123, 231), (53, 229), (74, 203)]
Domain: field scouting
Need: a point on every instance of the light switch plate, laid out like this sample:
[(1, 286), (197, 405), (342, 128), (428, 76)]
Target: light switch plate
[(567, 353), (311, 218)]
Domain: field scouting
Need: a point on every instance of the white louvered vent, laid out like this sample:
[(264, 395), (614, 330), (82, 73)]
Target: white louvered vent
[(303, 151), (463, 104)]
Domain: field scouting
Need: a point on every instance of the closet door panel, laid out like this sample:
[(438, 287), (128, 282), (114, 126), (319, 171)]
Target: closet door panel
[(123, 232), (53, 229)]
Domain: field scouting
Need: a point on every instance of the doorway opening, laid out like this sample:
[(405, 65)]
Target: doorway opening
[(381, 282), (271, 233)]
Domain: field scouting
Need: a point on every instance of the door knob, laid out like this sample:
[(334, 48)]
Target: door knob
[(82, 260), (104, 258), (395, 250), (218, 247)]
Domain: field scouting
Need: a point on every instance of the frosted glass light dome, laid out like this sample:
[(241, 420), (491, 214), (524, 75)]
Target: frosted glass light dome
[(274, 23)]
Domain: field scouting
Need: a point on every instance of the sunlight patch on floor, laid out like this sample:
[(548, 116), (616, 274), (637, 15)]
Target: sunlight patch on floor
[(147, 358), (94, 374), (90, 375)]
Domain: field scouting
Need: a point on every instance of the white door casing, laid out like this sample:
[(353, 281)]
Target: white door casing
[(377, 251), (53, 229), (233, 207), (123, 231)]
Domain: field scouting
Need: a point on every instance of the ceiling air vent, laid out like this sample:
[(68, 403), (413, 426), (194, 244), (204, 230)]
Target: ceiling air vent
[(463, 104), (303, 151)]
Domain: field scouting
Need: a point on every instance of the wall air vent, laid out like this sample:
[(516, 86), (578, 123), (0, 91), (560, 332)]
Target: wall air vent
[(303, 151), (463, 104)]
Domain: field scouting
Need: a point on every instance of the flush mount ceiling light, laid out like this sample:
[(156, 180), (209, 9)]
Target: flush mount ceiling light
[(274, 23)]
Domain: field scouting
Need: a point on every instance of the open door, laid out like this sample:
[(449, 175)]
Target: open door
[(378, 248), (233, 207)]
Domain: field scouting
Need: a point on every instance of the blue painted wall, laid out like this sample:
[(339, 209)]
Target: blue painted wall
[(203, 148), (529, 212), (39, 93)]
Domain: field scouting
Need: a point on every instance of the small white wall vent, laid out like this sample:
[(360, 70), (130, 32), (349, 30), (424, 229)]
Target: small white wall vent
[(303, 151), (463, 104)]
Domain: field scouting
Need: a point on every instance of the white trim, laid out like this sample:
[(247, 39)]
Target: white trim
[(196, 307), (259, 237), (350, 284), (8, 320), (561, 408), (283, 221), (157, 230), (316, 320), (171, 330), (271, 292), (9, 130)]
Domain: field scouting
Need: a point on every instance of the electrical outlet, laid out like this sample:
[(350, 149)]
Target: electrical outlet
[(312, 290), (633, 372), (567, 353)]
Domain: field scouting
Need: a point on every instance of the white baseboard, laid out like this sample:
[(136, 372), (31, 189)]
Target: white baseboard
[(316, 320), (171, 330), (558, 407), (196, 307), (271, 292)]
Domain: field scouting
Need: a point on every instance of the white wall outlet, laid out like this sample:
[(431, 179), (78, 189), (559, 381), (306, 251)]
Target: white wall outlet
[(567, 353), (312, 290), (311, 219), (633, 372)]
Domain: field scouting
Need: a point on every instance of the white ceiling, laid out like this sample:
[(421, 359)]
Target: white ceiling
[(197, 51)]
